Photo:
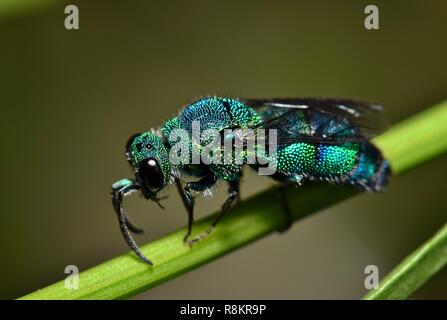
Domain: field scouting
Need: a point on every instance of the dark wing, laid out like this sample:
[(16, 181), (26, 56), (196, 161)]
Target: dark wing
[(319, 120)]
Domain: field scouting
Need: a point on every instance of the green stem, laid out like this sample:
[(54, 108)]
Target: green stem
[(415, 270), (406, 145)]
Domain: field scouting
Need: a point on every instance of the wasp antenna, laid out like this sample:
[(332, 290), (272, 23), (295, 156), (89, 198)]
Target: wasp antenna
[(159, 204), (157, 200)]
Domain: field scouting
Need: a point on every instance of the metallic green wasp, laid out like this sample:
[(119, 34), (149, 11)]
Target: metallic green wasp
[(314, 139)]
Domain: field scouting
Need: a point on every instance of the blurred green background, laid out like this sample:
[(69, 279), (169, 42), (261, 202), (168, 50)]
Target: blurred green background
[(70, 100)]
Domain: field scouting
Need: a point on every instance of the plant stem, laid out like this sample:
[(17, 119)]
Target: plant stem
[(415, 270), (406, 145)]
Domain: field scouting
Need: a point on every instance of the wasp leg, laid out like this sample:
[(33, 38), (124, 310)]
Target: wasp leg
[(203, 184), (121, 189), (233, 195), (198, 186), (126, 186), (131, 226), (288, 182), (286, 209), (188, 201)]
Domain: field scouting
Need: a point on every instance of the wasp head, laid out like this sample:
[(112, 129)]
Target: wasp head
[(149, 157)]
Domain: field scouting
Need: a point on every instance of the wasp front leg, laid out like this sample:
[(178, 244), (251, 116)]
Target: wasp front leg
[(121, 189)]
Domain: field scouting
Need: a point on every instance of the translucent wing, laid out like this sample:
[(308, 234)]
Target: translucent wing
[(316, 120)]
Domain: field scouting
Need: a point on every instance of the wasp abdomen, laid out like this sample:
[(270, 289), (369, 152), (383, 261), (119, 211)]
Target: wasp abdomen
[(371, 172), (358, 164)]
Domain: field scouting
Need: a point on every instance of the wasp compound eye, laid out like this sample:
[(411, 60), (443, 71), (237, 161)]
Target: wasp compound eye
[(151, 174)]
